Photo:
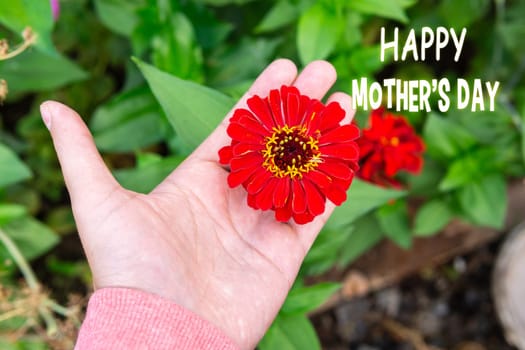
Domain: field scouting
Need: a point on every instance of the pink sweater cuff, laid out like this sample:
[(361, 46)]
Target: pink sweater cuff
[(120, 318)]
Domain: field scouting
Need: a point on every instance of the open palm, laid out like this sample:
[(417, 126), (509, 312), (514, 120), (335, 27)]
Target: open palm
[(192, 240)]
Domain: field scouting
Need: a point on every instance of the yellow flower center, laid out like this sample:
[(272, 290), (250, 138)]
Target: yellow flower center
[(290, 152)]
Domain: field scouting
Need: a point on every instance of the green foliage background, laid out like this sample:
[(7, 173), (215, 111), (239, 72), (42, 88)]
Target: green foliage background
[(192, 60)]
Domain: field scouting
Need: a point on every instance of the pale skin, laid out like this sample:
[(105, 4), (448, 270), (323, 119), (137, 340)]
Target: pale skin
[(193, 239)]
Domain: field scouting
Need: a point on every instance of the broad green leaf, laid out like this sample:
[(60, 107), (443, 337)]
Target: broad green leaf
[(432, 217), (365, 61), (144, 179), (130, 121), (119, 15), (462, 13), (34, 70), (175, 48), (485, 201), (31, 236), (389, 9), (281, 14), (305, 299), (325, 251), (290, 333), (223, 2), (362, 198), (365, 234), (9, 212), (193, 110), (522, 135), (445, 139), (242, 62), (317, 33), (12, 170), (470, 167), (20, 14), (393, 220)]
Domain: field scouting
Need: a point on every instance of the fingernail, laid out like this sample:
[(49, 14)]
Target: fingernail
[(45, 111)]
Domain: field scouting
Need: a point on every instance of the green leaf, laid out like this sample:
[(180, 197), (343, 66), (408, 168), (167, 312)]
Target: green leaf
[(470, 167), (393, 220), (522, 135), (146, 178), (290, 333), (130, 121), (389, 9), (362, 198), (365, 234), (9, 212), (281, 14), (192, 109), (119, 15), (485, 201), (34, 70), (31, 236), (432, 217), (462, 13), (19, 14), (175, 48), (305, 299), (317, 33), (12, 169), (325, 251), (445, 139), (22, 344), (242, 62)]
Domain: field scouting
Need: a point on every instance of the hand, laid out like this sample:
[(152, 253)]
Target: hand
[(192, 240)]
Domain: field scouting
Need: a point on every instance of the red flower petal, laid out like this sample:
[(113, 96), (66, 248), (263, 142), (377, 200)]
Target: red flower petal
[(321, 179), (303, 218), (341, 134), (253, 125), (314, 199), (250, 160), (239, 132), (274, 99), (298, 197), (235, 178), (243, 148), (283, 214), (347, 151), (257, 182), (225, 154), (265, 196), (282, 192), (331, 116), (337, 169), (262, 111), (335, 195), (292, 108)]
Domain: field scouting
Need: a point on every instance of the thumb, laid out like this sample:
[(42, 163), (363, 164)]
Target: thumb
[(87, 178)]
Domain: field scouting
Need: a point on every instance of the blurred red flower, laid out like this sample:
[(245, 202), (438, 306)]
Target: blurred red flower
[(388, 146), (290, 153)]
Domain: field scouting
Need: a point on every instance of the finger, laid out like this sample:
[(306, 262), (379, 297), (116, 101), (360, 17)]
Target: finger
[(87, 178), (316, 79), (279, 72), (309, 232)]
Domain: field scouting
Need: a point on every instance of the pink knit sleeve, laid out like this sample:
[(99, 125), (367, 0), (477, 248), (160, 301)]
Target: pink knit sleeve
[(120, 318)]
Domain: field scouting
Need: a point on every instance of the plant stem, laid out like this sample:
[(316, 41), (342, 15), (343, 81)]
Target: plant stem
[(31, 280), (20, 261)]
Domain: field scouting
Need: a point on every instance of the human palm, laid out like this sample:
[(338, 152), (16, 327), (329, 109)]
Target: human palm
[(193, 239)]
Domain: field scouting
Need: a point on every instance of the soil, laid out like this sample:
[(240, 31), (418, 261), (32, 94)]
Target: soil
[(448, 307)]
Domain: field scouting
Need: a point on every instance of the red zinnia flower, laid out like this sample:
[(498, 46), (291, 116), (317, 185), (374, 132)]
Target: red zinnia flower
[(389, 145), (290, 153)]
